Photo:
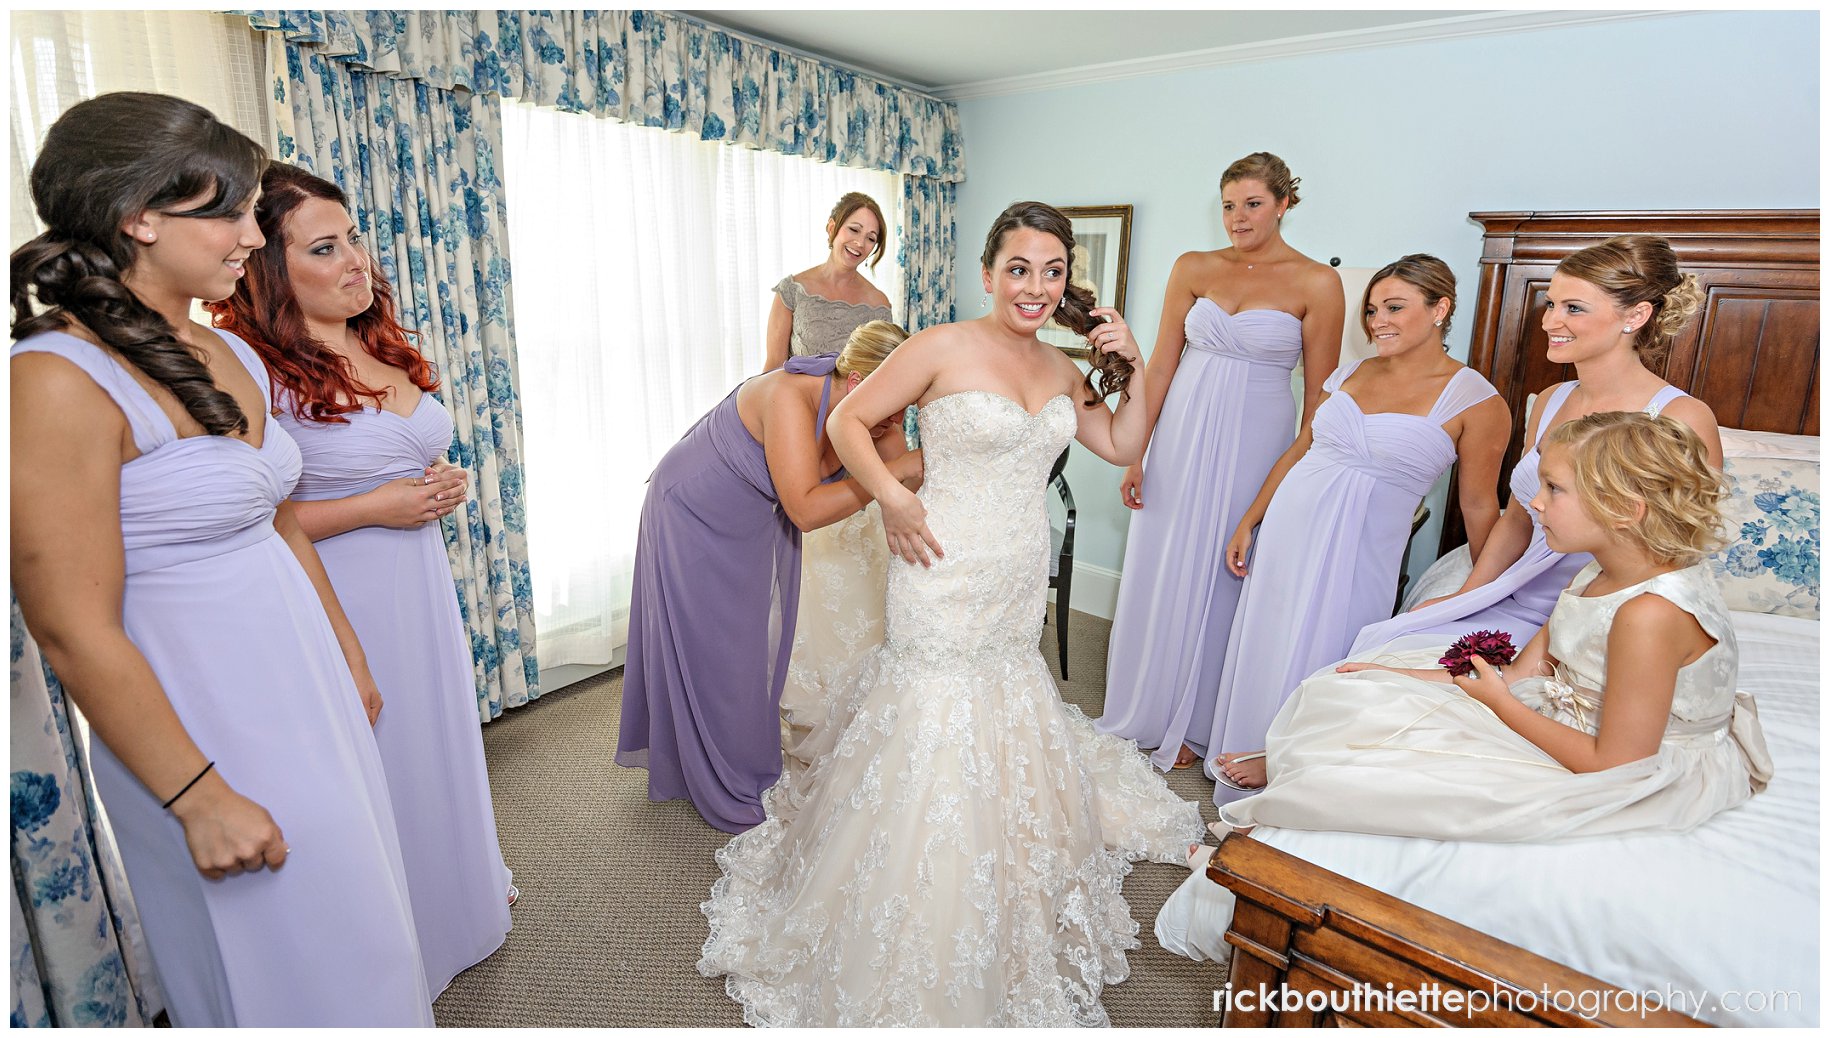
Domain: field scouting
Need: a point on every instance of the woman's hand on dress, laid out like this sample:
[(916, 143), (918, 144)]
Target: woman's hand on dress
[(411, 502), (908, 469), (1131, 488), (1237, 549), (226, 832), (1114, 336), (905, 527)]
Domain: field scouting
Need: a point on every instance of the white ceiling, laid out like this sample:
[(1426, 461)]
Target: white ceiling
[(952, 52)]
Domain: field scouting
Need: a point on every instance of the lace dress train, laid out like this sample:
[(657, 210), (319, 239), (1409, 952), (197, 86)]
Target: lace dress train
[(958, 855)]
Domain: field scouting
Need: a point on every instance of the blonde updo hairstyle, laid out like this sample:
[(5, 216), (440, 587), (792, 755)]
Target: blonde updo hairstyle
[(867, 347), (1269, 170), (849, 203), (1626, 461), (1641, 268), (1421, 271)]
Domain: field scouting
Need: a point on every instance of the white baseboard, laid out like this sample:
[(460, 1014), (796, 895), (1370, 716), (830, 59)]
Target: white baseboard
[(1095, 591)]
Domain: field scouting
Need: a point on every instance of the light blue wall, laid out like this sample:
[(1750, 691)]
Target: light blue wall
[(1396, 145)]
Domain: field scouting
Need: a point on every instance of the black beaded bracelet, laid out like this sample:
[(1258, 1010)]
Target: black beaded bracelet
[(187, 787)]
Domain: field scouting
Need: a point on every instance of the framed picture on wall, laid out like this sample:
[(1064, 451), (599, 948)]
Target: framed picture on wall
[(1102, 255)]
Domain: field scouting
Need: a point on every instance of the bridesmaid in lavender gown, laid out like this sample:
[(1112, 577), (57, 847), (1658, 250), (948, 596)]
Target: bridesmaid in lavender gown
[(1613, 310), (357, 398), (171, 588), (1234, 323), (1336, 511), (717, 581)]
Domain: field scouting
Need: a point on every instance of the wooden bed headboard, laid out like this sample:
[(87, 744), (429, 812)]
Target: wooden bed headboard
[(1751, 355)]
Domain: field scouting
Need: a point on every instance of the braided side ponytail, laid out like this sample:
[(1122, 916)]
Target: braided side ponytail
[(103, 161)]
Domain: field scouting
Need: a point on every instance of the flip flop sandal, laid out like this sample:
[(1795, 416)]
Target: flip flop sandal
[(1221, 777)]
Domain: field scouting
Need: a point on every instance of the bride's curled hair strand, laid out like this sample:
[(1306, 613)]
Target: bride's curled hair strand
[(1074, 314)]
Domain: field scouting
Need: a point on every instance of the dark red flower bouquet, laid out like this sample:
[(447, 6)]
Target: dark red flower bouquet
[(1493, 646)]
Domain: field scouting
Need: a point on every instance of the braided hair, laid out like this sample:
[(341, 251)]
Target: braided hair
[(104, 161)]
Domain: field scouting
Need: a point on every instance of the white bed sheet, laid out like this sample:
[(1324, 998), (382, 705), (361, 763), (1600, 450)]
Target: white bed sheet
[(1726, 914)]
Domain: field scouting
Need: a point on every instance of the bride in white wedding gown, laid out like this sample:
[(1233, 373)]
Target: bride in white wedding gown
[(958, 856)]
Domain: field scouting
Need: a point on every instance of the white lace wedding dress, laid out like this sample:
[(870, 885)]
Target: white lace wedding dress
[(957, 857), (844, 569)]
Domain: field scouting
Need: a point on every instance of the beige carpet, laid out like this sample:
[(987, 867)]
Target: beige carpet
[(608, 928)]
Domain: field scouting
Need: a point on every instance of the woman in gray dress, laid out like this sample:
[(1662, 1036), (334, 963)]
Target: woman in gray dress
[(842, 565), (816, 309)]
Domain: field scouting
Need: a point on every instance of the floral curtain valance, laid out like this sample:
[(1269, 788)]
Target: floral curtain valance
[(649, 69)]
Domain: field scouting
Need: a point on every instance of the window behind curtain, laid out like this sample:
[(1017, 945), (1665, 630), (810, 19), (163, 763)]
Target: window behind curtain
[(643, 263), (61, 57)]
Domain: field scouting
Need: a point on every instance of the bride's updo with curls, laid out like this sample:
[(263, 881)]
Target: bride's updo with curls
[(1641, 268), (1077, 303), (103, 162)]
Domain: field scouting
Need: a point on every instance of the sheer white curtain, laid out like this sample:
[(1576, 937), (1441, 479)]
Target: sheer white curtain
[(62, 57), (643, 262)]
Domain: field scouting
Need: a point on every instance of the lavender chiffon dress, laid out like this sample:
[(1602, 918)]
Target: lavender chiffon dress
[(222, 611), (1326, 560), (1520, 599), (1228, 417), (395, 587), (711, 619)]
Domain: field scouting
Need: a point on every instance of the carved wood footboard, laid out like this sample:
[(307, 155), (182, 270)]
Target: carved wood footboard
[(1343, 954)]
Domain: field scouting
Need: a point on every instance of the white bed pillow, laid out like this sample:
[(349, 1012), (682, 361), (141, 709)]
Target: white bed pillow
[(1772, 516), (1750, 443)]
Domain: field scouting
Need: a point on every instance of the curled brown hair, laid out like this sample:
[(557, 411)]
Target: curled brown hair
[(1421, 271), (1641, 268), (1268, 169), (103, 162), (1074, 314), (264, 311), (849, 203), (1621, 460)]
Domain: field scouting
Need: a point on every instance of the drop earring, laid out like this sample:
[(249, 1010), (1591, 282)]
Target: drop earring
[(986, 304)]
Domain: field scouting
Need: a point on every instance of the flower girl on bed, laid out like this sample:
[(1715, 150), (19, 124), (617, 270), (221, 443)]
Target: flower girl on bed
[(1620, 715)]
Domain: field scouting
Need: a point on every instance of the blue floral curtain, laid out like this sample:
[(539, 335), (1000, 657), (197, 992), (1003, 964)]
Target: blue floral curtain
[(655, 69), (78, 959), (927, 250), (418, 162), (395, 106)]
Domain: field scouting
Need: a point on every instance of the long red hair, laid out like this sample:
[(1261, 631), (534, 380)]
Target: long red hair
[(264, 311)]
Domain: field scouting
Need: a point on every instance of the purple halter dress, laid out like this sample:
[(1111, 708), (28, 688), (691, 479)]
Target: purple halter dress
[(711, 619)]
